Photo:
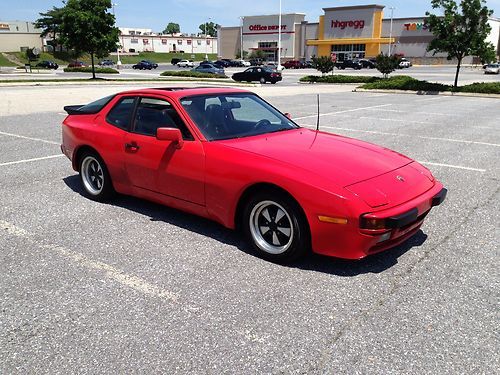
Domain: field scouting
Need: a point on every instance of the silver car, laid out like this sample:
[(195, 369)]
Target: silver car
[(492, 69)]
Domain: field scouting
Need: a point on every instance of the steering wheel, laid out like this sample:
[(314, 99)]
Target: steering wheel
[(262, 124)]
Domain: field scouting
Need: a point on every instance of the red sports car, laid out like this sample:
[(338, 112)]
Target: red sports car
[(228, 155)]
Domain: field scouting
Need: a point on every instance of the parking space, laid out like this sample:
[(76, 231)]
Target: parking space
[(134, 285)]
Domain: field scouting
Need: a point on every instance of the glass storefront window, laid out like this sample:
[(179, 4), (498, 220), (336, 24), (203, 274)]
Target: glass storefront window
[(349, 51)]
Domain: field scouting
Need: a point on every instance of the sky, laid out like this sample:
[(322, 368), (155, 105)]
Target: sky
[(156, 14)]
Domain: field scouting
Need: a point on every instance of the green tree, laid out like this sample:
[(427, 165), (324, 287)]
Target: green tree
[(209, 28), (87, 26), (387, 64), (461, 30), (172, 28), (50, 22), (238, 54), (324, 64), (257, 54)]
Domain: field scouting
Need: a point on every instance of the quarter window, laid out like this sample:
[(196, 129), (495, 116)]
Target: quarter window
[(153, 113), (121, 113)]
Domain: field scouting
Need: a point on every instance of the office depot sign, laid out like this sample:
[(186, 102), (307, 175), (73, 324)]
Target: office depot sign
[(357, 24), (266, 28)]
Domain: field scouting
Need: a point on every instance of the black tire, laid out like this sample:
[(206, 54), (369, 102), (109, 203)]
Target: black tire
[(287, 238), (262, 80), (95, 177)]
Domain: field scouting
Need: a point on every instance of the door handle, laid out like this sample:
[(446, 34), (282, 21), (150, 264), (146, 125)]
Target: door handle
[(132, 146)]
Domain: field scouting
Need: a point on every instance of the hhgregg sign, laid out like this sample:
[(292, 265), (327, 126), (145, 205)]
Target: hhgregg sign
[(355, 23)]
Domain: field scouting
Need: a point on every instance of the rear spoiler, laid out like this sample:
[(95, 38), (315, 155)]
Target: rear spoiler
[(74, 109)]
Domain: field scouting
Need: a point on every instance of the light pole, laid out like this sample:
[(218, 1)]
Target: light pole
[(118, 62), (390, 31), (241, 37), (279, 39)]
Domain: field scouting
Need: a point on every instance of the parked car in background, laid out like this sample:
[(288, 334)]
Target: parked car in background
[(306, 64), (143, 65), (353, 64), (209, 68), (404, 63), (185, 64), (153, 64), (106, 62), (258, 74), (222, 63), (492, 69), (47, 65), (175, 61), (240, 63), (76, 64), (256, 62), (292, 64), (368, 64)]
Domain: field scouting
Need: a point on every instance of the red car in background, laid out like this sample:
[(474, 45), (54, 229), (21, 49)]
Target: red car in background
[(227, 155), (292, 64), (76, 64)]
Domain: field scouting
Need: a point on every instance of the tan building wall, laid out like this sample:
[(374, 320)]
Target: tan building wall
[(229, 42), (12, 42)]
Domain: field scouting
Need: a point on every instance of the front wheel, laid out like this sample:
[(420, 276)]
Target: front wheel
[(262, 80), (95, 177), (276, 227)]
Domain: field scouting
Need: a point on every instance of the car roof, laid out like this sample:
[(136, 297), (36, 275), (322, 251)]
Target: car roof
[(181, 92)]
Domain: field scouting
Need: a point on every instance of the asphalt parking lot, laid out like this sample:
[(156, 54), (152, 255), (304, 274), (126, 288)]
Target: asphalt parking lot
[(134, 287)]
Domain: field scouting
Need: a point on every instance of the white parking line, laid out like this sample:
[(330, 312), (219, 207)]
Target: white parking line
[(130, 281), (345, 111), (29, 138), (429, 99), (31, 160), (399, 120), (452, 166), (410, 135)]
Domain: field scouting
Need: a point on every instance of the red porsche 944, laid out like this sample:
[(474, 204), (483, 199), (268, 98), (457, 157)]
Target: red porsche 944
[(228, 155)]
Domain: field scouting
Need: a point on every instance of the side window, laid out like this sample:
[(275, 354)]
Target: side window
[(153, 113), (121, 114)]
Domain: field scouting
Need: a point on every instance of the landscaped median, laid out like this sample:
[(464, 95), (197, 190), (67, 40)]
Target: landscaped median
[(88, 69), (190, 74), (404, 83)]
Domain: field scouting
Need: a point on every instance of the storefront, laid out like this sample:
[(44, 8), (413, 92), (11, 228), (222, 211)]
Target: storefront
[(348, 32)]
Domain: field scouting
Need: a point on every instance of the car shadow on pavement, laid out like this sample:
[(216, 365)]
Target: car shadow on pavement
[(373, 264)]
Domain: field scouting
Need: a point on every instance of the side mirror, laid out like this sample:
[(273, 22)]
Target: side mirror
[(170, 134), (288, 116)]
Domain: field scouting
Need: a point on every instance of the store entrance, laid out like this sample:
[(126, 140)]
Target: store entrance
[(349, 51)]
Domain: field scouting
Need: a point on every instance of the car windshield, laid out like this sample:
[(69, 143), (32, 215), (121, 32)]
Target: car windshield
[(228, 116)]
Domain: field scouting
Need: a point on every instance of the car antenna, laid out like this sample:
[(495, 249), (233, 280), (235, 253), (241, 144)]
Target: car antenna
[(317, 121)]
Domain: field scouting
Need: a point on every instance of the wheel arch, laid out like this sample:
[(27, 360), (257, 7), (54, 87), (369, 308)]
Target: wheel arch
[(263, 187), (78, 154)]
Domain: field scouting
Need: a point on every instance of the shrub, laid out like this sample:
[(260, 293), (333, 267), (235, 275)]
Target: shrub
[(339, 78), (405, 83), (482, 87), (324, 64), (188, 73), (88, 69), (387, 64)]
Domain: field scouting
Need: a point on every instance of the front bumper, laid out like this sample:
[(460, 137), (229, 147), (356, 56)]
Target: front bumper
[(351, 242)]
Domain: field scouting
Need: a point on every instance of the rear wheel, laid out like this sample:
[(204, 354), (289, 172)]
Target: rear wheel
[(95, 177), (262, 80), (275, 226)]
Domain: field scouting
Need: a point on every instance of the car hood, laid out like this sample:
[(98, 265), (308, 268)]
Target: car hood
[(342, 160)]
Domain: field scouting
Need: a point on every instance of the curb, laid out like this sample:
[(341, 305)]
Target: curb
[(126, 82), (434, 93)]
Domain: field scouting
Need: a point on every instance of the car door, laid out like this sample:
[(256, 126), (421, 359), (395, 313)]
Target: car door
[(159, 166)]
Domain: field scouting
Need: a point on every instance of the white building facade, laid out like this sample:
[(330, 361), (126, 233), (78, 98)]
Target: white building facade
[(145, 40)]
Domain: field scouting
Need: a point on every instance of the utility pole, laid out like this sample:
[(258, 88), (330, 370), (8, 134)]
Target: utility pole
[(118, 62), (279, 39), (241, 38)]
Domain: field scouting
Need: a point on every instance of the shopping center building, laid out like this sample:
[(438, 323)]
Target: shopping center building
[(348, 32)]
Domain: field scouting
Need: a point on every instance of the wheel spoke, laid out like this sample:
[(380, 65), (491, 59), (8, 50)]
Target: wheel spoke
[(286, 231), (276, 241), (264, 230), (99, 183), (266, 215), (279, 215)]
